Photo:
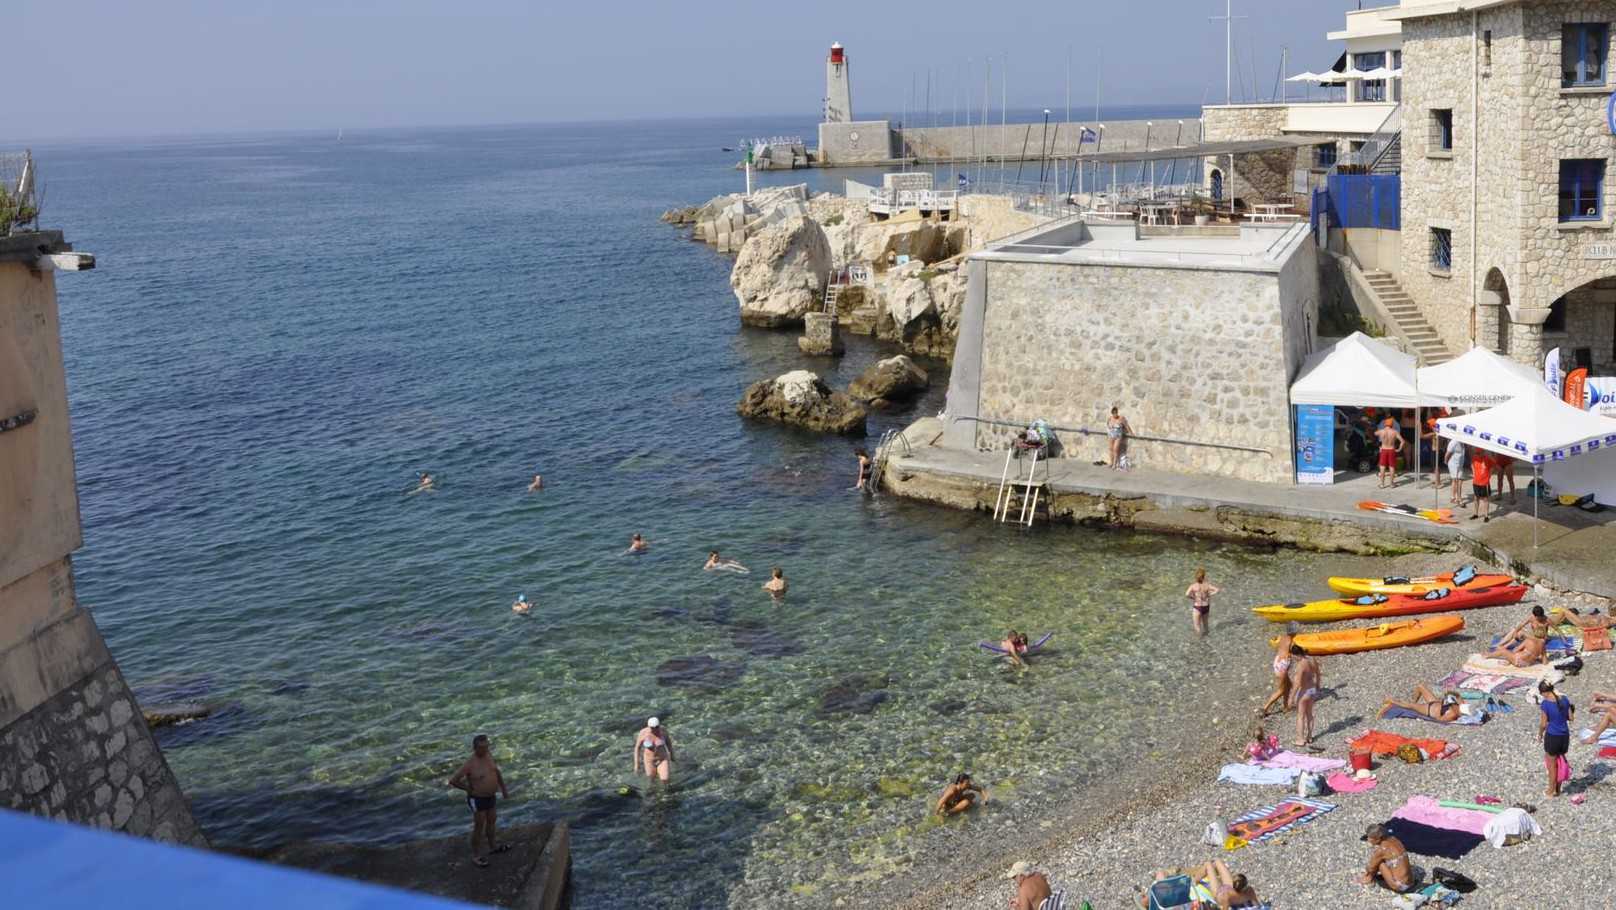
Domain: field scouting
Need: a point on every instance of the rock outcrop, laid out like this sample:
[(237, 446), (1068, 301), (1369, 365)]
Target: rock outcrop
[(891, 380), (801, 398), (780, 274)]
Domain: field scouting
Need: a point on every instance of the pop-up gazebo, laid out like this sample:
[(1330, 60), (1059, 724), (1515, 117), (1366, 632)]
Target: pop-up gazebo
[(1535, 427), (1357, 371), (1478, 378)]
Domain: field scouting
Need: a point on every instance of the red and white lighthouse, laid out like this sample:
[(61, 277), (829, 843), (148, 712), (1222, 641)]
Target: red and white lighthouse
[(838, 87)]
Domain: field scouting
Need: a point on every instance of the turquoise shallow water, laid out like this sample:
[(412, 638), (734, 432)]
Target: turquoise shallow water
[(282, 330)]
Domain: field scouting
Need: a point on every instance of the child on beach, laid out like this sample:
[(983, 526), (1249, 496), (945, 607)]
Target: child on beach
[(1282, 671), (1305, 679), (1200, 595)]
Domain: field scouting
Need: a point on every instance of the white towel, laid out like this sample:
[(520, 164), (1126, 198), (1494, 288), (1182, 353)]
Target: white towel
[(1253, 774)]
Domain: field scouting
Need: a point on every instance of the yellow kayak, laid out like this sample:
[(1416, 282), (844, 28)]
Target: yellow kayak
[(1381, 606), (1375, 638), (1466, 577)]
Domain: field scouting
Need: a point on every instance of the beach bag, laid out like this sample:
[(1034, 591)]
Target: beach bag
[(1410, 753), (1570, 667), (1215, 834), (1309, 783), (1448, 878), (1562, 769), (1596, 639)]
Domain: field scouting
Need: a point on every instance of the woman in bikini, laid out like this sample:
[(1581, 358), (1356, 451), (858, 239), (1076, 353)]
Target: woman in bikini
[(1015, 647), (1428, 704), (1532, 636), (1117, 430), (1282, 671), (1200, 595), (654, 747), (863, 470)]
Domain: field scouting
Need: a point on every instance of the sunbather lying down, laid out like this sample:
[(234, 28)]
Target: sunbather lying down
[(1212, 883), (1444, 708)]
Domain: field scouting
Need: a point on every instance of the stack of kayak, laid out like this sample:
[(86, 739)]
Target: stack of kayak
[(1393, 596)]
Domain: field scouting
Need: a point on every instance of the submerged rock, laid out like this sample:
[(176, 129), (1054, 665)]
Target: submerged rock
[(182, 712), (701, 671), (893, 379), (857, 694), (802, 399), (755, 639), (780, 272)]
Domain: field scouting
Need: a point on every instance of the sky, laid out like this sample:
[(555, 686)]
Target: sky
[(163, 67)]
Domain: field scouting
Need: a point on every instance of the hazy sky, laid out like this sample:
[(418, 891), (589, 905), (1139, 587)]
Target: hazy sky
[(113, 67)]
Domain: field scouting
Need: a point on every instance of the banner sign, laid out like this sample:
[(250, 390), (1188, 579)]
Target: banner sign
[(1551, 372), (1599, 395), (1315, 443), (1574, 387)]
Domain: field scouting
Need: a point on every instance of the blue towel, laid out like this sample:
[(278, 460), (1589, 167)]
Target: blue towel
[(1253, 774), (1554, 643), (1464, 719)]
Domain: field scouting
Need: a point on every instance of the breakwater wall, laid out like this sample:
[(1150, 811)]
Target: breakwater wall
[(877, 142), (74, 744)]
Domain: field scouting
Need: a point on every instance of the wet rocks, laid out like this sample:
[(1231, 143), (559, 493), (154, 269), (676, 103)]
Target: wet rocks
[(701, 672), (179, 713), (860, 693), (891, 380), (780, 272), (801, 398), (759, 641)]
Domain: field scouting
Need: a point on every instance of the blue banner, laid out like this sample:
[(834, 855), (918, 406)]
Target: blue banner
[(1315, 443)]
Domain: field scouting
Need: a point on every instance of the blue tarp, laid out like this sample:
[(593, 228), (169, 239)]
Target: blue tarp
[(1365, 201)]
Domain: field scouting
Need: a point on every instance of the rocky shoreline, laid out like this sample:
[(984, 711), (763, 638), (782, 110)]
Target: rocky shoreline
[(898, 279)]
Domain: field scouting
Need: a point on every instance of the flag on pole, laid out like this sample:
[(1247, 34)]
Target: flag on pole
[(1087, 136), (964, 182)]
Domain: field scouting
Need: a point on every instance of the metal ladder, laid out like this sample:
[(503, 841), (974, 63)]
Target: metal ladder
[(883, 450), (1007, 490), (831, 287)]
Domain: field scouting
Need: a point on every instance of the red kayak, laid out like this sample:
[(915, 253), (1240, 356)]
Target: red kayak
[(1372, 606)]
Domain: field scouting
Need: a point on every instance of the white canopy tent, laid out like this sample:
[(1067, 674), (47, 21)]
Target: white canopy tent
[(1477, 378), (1535, 427), (1357, 371), (1305, 76)]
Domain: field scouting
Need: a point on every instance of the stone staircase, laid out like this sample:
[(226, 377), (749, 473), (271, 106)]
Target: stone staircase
[(1410, 324), (1390, 160)]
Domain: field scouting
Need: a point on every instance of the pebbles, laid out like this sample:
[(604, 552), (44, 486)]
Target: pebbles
[(1155, 821)]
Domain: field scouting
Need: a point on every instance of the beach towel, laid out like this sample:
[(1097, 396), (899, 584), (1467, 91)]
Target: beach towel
[(1465, 720), (1240, 773), (1510, 824), (1596, 639), (1428, 811), (1492, 666), (1556, 643), (1288, 759), (1492, 684), (1429, 841), (1346, 783), (1381, 743), (1607, 738), (1265, 822), (1608, 752)]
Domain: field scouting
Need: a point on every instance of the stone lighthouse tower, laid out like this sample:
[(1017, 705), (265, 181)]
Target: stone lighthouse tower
[(838, 90)]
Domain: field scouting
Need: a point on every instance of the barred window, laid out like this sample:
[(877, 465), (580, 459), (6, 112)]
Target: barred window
[(1442, 249)]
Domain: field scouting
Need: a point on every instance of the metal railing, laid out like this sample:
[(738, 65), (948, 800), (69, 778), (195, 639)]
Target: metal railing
[(1364, 158), (1084, 431), (931, 200), (1155, 250)]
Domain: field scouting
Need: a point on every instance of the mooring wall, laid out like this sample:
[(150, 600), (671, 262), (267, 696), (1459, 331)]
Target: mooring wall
[(74, 745)]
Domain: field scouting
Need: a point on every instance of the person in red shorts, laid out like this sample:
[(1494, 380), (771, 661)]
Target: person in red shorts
[(1504, 469), (1391, 443), (1481, 483)]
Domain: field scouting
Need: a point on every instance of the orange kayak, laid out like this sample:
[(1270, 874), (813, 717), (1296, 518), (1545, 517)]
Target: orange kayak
[(1375, 638)]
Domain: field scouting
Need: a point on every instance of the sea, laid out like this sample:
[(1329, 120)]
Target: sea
[(283, 330)]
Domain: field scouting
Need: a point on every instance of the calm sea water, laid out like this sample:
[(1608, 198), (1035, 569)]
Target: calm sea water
[(282, 330)]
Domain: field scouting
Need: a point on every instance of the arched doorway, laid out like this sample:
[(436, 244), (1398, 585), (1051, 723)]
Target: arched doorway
[(1217, 184), (1490, 325)]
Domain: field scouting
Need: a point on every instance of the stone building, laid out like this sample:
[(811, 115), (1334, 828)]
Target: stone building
[(1195, 333), (73, 742), (1507, 146)]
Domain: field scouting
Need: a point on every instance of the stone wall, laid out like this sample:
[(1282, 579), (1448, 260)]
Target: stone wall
[(73, 742), (1015, 140), (861, 141), (1527, 124), (1230, 122), (1192, 354)]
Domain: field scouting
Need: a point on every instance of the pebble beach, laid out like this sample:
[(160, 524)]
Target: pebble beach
[(1154, 817)]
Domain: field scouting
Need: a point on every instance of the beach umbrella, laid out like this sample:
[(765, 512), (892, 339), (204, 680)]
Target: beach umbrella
[(1304, 77)]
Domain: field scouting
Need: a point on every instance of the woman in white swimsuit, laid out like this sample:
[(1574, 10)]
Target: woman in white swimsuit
[(1282, 671), (1117, 429), (654, 747)]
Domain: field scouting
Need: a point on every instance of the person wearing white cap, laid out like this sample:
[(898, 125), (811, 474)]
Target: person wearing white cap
[(521, 605), (1032, 888), (654, 747)]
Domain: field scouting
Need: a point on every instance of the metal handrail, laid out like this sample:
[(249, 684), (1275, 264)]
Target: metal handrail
[(1088, 432), (1377, 143)]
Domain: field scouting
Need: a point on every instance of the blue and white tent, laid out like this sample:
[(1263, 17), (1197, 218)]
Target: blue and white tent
[(1534, 427)]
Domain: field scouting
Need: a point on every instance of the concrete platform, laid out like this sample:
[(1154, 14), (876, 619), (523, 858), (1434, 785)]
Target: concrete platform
[(532, 875), (1573, 550)]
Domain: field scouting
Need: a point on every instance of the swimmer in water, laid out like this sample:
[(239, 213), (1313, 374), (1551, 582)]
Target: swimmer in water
[(537, 485), (424, 484), (863, 470), (636, 544), (521, 606), (653, 748), (776, 585), (1015, 647), (718, 563)]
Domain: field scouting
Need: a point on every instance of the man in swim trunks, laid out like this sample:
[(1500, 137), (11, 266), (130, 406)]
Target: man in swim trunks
[(776, 585), (1391, 443), (1304, 692), (1481, 484), (714, 561), (1032, 888), (537, 484), (480, 777), (1388, 862), (423, 484), (960, 796), (637, 544)]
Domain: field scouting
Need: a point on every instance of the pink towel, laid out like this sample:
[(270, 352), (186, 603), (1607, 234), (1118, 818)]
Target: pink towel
[(1289, 759), (1426, 811), (1346, 783)]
